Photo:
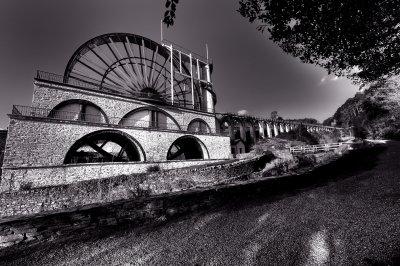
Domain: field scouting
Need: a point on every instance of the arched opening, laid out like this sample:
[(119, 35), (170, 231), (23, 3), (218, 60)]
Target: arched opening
[(105, 146), (187, 148), (198, 125), (150, 117), (257, 134), (80, 110), (225, 128)]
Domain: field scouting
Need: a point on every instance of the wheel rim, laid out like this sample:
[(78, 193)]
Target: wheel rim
[(130, 65)]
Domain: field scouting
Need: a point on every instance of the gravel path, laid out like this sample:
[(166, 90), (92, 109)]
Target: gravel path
[(344, 214)]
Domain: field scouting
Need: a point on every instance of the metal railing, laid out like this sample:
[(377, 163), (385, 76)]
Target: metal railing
[(120, 122), (92, 84), (185, 50), (315, 148)]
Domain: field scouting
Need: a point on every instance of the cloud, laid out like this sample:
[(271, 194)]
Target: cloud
[(323, 79), (326, 78), (243, 112)]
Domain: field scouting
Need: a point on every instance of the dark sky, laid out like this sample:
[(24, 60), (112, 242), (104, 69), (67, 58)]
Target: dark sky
[(250, 72)]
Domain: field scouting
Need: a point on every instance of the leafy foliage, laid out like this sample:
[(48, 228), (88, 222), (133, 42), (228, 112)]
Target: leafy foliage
[(360, 39), (375, 113), (274, 115), (307, 120), (300, 134), (169, 15)]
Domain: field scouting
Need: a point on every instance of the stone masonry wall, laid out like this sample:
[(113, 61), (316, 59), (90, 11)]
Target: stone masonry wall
[(63, 197), (3, 138), (14, 179), (35, 152), (48, 95), (44, 143)]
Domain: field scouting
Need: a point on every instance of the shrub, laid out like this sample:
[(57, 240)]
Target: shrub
[(305, 160), (300, 134), (153, 168), (391, 133), (360, 132), (26, 186), (258, 150)]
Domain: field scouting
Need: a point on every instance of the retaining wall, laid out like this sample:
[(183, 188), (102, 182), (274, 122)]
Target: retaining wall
[(37, 200), (3, 138), (33, 177)]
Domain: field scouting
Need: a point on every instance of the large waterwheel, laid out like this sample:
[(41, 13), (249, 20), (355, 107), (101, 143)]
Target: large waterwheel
[(135, 66)]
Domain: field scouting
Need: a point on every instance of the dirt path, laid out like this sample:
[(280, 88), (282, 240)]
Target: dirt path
[(347, 213)]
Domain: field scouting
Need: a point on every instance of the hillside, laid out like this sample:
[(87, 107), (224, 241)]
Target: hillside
[(374, 112)]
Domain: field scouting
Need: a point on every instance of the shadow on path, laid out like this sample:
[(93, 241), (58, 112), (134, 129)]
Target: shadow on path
[(234, 198)]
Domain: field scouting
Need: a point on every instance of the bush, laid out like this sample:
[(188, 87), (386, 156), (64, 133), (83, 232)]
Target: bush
[(360, 132), (153, 168), (390, 133), (300, 134), (258, 150), (305, 160), (26, 186)]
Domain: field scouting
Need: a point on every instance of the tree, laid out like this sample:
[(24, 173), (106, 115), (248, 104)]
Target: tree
[(274, 115), (359, 39), (169, 15), (307, 120)]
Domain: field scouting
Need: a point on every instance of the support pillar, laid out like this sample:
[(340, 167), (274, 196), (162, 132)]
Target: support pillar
[(261, 129), (275, 130), (231, 132), (242, 132), (281, 130), (269, 133), (252, 134)]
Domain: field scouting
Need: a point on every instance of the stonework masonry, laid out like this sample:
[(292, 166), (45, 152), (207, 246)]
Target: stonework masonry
[(90, 188), (33, 177), (3, 138), (51, 142), (48, 95), (36, 143)]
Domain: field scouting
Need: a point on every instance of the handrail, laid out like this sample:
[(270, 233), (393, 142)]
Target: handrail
[(44, 113), (185, 50), (92, 84), (315, 148)]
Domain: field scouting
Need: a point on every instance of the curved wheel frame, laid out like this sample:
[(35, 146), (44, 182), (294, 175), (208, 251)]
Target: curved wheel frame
[(131, 65)]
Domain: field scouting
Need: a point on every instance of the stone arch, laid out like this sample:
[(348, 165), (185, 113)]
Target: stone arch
[(150, 116), (198, 125), (225, 127), (250, 131), (78, 109), (186, 148), (105, 146)]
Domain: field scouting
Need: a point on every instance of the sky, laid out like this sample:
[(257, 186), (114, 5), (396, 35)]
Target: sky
[(251, 74)]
